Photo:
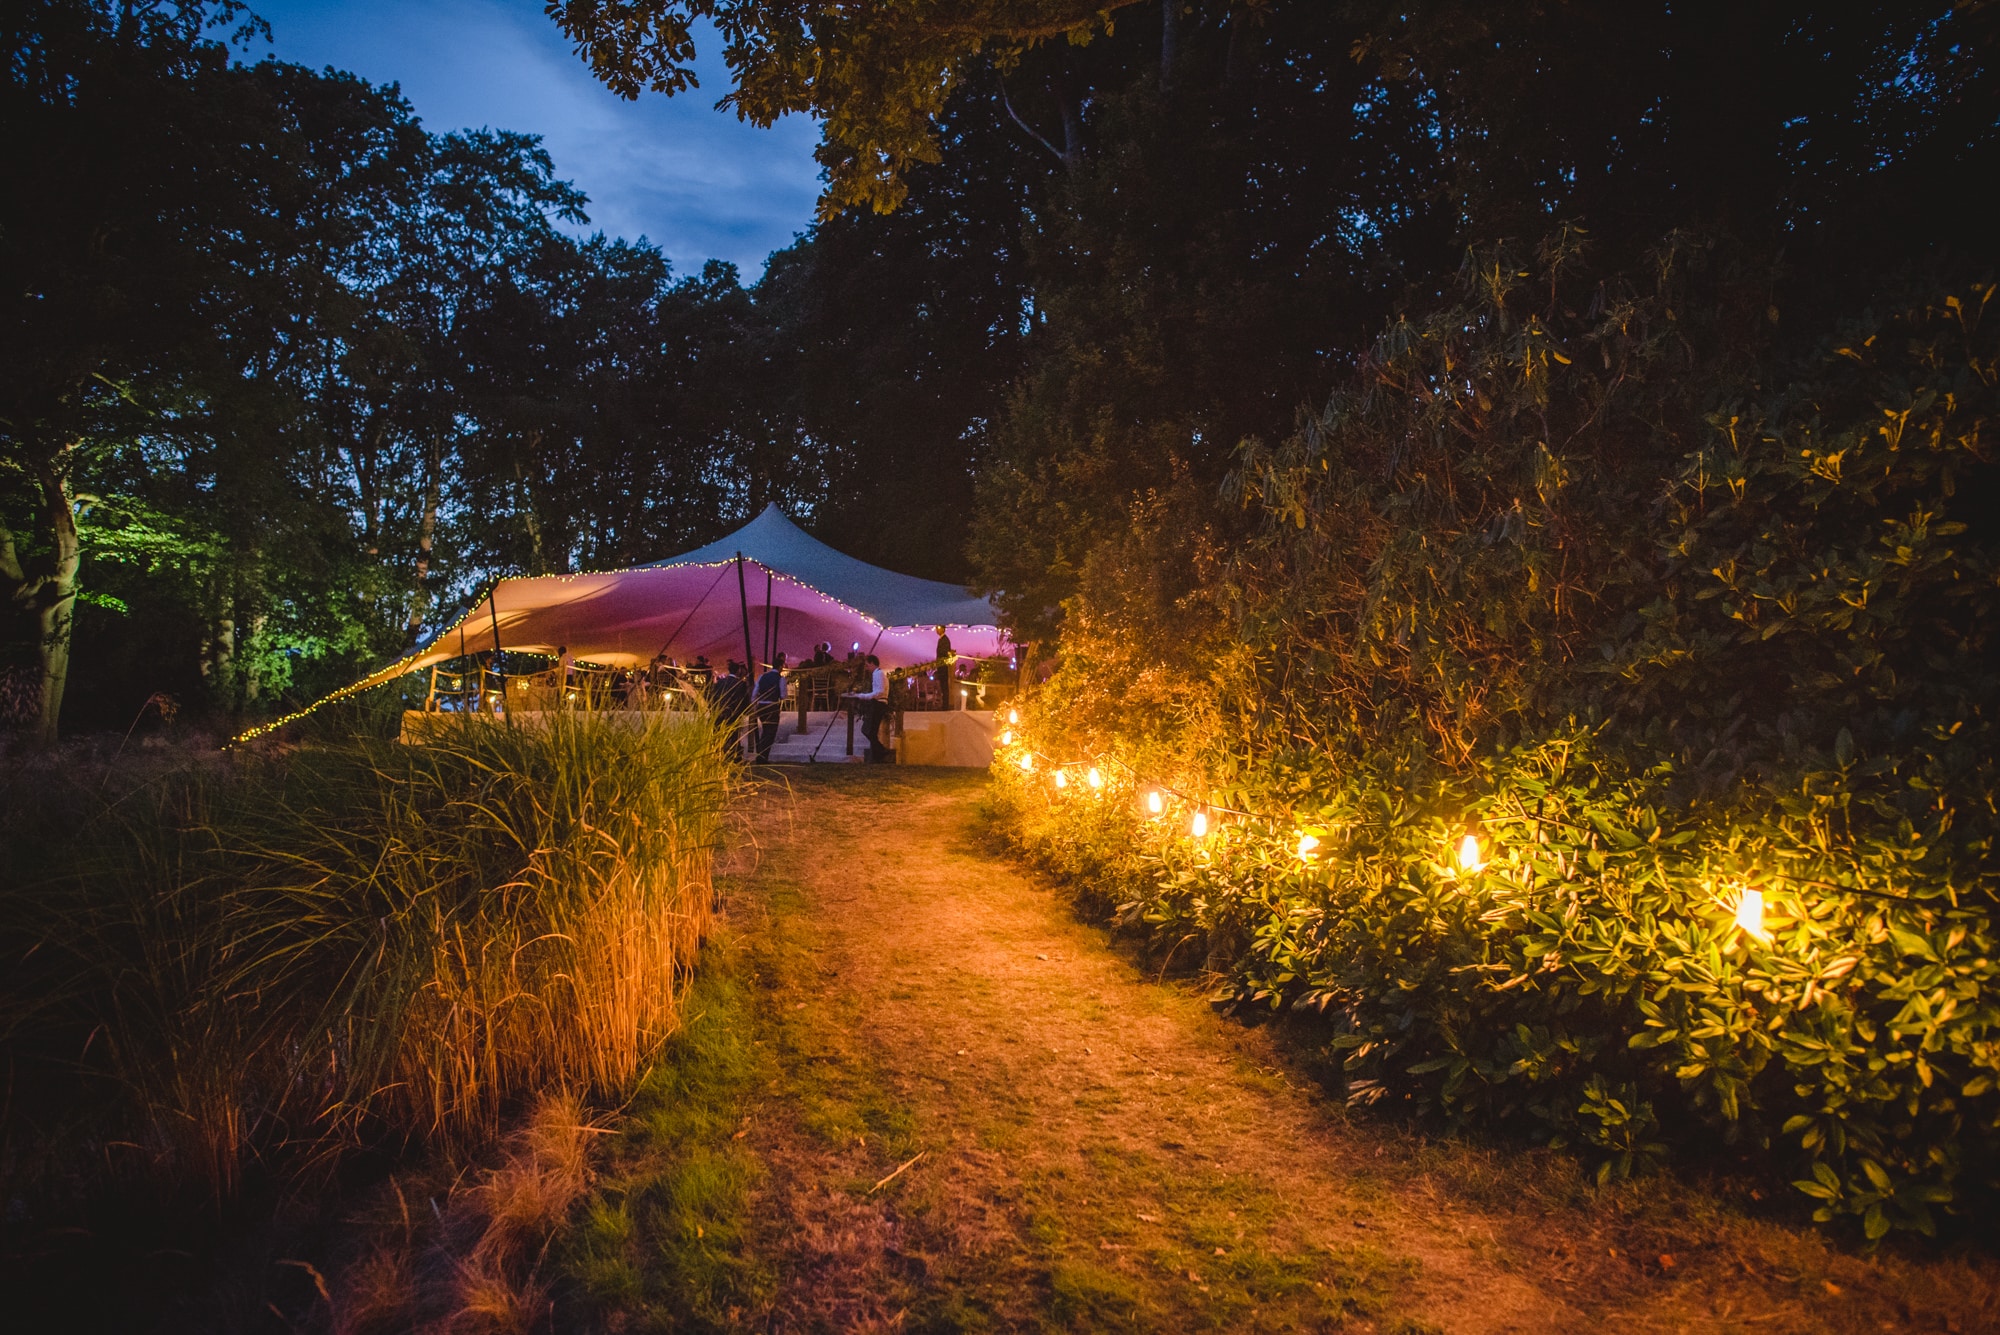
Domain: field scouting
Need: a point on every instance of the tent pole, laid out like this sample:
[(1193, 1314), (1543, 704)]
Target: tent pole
[(499, 664), (692, 610), (743, 599), (767, 615)]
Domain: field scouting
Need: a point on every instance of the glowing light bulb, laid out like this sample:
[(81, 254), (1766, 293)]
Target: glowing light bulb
[(1013, 716), (1468, 854), (1028, 763), (1750, 915), (1062, 779), (1198, 827), (1093, 778), (1006, 737), (1154, 804), (1307, 843)]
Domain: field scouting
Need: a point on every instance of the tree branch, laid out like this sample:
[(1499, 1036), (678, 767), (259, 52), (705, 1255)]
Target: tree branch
[(1028, 129)]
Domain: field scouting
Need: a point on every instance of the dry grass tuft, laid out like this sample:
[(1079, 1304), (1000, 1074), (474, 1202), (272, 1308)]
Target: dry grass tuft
[(545, 1171), (374, 1292), (474, 1265)]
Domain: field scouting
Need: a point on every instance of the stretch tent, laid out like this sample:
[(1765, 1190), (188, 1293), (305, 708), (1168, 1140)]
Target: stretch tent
[(696, 603)]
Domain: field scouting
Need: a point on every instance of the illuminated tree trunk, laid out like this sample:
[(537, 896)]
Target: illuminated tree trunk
[(49, 590), (219, 658), (252, 687)]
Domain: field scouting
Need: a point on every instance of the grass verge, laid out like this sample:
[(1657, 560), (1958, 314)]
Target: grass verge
[(663, 1238), (243, 986)]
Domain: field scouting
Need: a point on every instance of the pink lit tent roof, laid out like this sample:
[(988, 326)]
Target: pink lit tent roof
[(691, 605)]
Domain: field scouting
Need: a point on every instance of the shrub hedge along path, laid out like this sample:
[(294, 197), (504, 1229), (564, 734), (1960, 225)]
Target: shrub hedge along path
[(1084, 1147)]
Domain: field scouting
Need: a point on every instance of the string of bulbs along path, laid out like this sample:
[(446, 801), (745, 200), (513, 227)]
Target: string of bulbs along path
[(1747, 912)]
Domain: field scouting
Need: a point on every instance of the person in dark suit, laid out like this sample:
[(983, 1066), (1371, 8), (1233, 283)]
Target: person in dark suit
[(767, 701), (943, 677), (729, 696)]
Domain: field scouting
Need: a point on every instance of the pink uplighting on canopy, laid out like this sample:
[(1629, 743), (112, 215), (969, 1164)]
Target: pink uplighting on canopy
[(694, 606), (622, 618)]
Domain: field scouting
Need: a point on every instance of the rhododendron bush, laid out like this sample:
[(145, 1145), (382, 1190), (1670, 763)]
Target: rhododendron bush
[(1592, 722)]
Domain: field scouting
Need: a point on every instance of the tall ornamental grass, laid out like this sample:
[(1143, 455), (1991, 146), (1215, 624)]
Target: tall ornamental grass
[(1691, 630), (357, 943)]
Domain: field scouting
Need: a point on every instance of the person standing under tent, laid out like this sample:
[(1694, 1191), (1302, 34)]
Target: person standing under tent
[(819, 677), (729, 696), (943, 678), (563, 675), (875, 710), (767, 703), (659, 678)]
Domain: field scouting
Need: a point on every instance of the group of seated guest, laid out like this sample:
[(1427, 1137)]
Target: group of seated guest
[(623, 688), (749, 707)]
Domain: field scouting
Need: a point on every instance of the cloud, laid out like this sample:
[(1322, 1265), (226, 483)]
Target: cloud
[(694, 180)]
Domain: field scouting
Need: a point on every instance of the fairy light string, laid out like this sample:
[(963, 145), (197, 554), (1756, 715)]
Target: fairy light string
[(1747, 910)]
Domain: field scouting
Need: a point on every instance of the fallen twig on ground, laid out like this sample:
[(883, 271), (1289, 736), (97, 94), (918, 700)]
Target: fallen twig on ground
[(898, 1173)]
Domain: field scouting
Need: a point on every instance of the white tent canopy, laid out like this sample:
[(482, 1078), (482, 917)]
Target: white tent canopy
[(777, 544), (697, 604)]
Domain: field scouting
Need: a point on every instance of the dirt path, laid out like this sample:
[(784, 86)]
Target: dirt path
[(948, 1105)]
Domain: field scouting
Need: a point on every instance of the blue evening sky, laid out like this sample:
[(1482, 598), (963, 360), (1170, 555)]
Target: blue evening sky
[(695, 181)]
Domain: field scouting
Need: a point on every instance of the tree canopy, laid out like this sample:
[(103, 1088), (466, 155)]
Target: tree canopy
[(286, 375), (877, 77), (302, 374)]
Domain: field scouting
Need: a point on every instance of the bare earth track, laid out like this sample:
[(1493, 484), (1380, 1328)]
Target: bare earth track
[(1082, 1147)]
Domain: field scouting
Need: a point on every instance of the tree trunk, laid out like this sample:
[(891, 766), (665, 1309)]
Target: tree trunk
[(1072, 123), (367, 481), (420, 598), (1246, 42), (529, 518), (55, 604), (220, 665), (252, 689)]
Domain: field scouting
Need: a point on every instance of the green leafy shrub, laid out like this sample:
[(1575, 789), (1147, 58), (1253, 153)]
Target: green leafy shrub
[(1583, 568)]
